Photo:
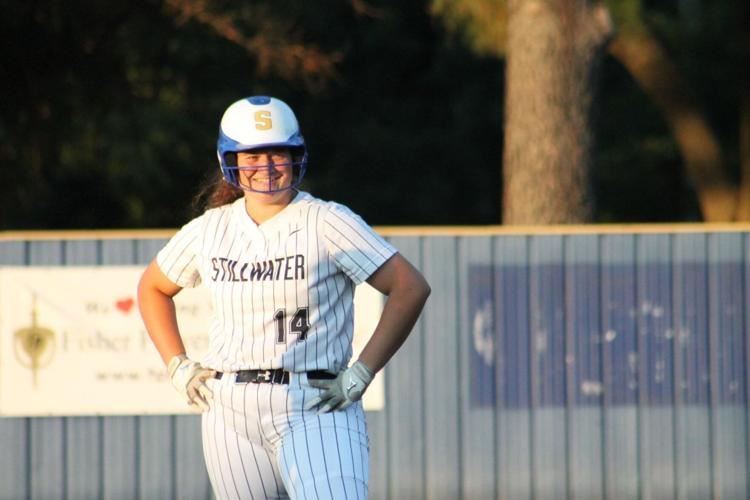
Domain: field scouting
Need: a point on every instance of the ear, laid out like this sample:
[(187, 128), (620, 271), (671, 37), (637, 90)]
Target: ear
[(230, 159)]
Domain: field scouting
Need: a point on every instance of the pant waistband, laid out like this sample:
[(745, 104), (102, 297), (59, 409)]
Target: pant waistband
[(277, 376)]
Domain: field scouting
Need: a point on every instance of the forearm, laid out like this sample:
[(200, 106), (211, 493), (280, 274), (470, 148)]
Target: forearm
[(400, 313), (159, 317)]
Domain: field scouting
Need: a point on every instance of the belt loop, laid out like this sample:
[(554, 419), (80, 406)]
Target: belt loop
[(226, 376)]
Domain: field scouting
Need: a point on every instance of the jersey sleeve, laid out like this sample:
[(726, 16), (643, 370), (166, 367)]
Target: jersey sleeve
[(355, 247), (178, 260)]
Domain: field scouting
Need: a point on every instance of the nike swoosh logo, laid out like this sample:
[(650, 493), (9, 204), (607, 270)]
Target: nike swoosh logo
[(295, 231)]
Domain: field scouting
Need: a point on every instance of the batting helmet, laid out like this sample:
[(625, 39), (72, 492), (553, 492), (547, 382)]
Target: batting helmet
[(259, 122)]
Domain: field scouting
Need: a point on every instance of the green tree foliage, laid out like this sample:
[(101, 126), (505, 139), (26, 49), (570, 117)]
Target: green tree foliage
[(484, 23), (107, 103), (111, 110)]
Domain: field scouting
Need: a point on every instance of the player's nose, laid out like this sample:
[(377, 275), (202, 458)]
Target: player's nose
[(267, 159)]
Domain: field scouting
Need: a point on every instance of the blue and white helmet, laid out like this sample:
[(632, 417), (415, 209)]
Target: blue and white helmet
[(259, 122)]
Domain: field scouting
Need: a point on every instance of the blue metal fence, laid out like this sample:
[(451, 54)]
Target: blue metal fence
[(587, 364)]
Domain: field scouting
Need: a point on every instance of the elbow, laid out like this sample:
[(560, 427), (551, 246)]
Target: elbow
[(154, 284), (143, 291), (423, 290), (141, 284), (426, 289), (413, 291), (145, 283)]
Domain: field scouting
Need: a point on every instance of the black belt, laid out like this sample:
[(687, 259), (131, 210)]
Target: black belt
[(277, 376)]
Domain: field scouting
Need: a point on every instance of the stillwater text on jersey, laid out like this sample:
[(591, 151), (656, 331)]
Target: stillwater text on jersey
[(290, 267)]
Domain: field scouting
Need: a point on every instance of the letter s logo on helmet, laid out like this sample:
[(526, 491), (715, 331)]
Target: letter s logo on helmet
[(259, 122), (263, 120)]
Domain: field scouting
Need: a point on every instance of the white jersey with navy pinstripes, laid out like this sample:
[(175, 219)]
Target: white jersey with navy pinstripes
[(282, 291)]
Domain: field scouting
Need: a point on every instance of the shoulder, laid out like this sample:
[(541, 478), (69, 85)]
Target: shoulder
[(339, 212), (210, 218), (331, 213), (225, 209), (222, 214), (306, 203), (325, 206)]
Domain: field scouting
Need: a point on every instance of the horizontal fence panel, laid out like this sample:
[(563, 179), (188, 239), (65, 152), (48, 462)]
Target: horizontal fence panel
[(573, 365)]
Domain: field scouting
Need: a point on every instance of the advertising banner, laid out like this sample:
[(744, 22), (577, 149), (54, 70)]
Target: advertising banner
[(72, 342)]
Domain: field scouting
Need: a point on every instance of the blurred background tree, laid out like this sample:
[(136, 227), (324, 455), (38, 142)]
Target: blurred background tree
[(553, 52), (110, 111), (638, 48), (653, 43)]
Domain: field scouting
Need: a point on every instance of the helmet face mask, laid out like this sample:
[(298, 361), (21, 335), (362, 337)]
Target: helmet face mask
[(285, 171), (260, 123)]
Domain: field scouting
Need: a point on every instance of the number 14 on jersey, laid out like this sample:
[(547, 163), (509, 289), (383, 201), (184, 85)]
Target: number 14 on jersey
[(298, 324)]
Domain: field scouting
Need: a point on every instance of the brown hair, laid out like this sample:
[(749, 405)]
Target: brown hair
[(215, 192)]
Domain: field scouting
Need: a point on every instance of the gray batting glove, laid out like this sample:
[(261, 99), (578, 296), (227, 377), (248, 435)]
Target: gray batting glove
[(189, 378), (341, 392)]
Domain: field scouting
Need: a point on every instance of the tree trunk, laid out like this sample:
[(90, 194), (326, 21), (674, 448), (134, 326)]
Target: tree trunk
[(553, 51), (645, 59)]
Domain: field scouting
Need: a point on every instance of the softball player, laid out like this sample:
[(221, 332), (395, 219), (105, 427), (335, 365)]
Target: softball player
[(282, 416)]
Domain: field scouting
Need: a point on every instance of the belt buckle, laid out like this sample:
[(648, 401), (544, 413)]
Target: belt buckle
[(264, 376)]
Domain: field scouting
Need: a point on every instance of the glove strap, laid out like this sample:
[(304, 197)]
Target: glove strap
[(175, 363), (363, 372)]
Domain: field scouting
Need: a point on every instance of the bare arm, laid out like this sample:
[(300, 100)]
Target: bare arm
[(155, 292), (407, 292)]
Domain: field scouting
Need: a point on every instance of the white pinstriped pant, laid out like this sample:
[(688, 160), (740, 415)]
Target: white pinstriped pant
[(259, 443)]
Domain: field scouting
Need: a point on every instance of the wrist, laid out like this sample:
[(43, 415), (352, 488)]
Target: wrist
[(175, 362), (363, 371), (365, 365)]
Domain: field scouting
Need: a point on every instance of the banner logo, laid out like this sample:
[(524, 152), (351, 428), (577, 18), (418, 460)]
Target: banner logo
[(34, 346)]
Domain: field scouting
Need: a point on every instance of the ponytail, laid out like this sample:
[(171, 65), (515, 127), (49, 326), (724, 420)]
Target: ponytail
[(215, 193)]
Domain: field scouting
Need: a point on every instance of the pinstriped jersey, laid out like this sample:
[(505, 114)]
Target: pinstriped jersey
[(282, 291)]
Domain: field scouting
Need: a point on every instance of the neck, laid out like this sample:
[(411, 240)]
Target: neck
[(261, 207)]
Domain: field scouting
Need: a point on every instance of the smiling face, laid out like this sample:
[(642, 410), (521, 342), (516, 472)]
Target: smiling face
[(265, 170)]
